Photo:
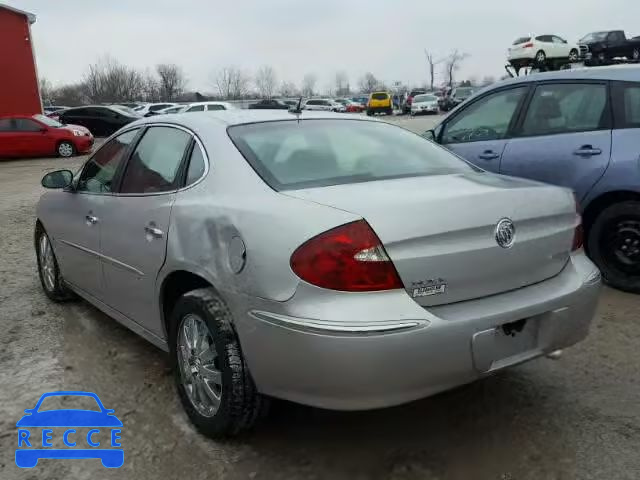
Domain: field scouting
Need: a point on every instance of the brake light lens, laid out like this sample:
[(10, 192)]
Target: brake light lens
[(578, 234), (348, 258), (528, 45)]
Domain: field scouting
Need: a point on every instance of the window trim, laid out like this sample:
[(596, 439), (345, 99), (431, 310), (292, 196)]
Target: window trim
[(606, 125), (185, 160), (514, 119)]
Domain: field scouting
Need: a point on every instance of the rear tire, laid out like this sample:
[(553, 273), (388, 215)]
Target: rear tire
[(65, 149), (614, 245), (48, 270), (541, 57), (238, 405)]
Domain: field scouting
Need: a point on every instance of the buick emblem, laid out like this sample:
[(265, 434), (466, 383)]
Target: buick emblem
[(505, 233)]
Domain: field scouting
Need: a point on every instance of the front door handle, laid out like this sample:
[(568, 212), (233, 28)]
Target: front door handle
[(91, 219), (153, 232), (587, 151), (488, 155)]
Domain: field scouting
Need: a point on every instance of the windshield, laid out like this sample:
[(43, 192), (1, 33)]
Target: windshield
[(594, 37), (49, 122), (463, 92), (315, 153), (125, 110), (425, 98), (522, 40)]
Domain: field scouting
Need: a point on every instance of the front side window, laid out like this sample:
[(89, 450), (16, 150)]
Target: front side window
[(565, 108), (98, 173), (627, 104), (316, 153), (155, 162), (486, 119)]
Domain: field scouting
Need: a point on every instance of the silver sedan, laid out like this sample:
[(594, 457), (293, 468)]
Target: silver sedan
[(343, 263)]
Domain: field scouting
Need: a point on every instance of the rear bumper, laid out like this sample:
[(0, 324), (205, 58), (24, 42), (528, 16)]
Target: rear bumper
[(363, 351), (380, 109)]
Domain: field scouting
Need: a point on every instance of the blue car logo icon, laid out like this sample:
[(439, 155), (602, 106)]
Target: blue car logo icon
[(29, 443)]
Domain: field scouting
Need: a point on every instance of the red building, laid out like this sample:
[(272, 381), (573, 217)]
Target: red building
[(19, 91)]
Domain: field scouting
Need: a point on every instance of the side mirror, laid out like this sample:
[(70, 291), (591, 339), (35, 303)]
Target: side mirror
[(429, 135), (57, 179)]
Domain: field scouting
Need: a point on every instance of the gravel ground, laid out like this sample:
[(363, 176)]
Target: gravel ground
[(578, 417)]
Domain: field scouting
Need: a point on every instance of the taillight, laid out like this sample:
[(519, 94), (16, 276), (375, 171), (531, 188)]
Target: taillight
[(349, 258), (528, 45), (578, 234)]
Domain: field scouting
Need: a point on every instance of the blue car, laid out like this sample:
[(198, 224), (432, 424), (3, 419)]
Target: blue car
[(576, 128), (29, 451)]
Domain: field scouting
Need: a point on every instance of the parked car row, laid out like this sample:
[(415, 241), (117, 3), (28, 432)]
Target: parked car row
[(576, 128)]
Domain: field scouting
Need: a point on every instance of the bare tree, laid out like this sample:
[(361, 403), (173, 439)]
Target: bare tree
[(288, 89), (431, 62), (232, 83), (172, 81), (266, 81), (368, 83), (71, 95), (110, 81), (151, 88), (342, 84), (452, 64), (309, 84), (46, 91)]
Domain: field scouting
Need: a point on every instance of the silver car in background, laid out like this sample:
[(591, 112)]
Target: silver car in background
[(337, 262)]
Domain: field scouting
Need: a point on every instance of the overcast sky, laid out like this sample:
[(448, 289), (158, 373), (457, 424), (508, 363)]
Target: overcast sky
[(386, 37)]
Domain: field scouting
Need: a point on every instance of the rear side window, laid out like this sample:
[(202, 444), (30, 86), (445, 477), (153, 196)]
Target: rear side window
[(155, 162), (26, 125), (627, 105), (196, 165), (215, 107), (565, 108), (380, 96), (6, 124), (316, 153)]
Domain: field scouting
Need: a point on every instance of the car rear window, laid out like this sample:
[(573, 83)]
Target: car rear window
[(315, 153), (380, 96), (522, 40)]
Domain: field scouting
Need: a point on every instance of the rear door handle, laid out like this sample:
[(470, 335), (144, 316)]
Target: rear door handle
[(152, 231), (488, 155), (587, 151)]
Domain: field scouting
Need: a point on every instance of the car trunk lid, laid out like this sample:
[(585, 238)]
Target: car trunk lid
[(440, 231)]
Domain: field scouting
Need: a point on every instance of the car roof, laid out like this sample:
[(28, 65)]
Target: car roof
[(203, 120), (613, 72), (212, 102)]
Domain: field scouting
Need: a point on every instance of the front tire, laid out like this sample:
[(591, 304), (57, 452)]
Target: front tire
[(65, 149), (48, 270), (614, 245), (541, 57), (636, 54), (573, 55), (212, 378)]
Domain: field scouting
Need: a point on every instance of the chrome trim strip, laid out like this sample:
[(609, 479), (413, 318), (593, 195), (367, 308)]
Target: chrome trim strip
[(323, 326), (100, 256)]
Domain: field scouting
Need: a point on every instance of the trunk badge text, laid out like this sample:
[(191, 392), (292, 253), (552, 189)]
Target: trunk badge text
[(505, 233), (428, 287)]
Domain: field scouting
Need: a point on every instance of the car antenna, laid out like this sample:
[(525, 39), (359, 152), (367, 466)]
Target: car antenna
[(298, 109)]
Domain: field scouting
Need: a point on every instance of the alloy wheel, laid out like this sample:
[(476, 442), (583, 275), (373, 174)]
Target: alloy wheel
[(199, 365), (47, 263), (573, 56)]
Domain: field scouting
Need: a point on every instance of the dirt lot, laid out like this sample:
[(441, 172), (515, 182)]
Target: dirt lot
[(578, 417)]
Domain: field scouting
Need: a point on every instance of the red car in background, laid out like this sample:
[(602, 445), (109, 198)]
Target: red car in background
[(354, 107), (41, 136)]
